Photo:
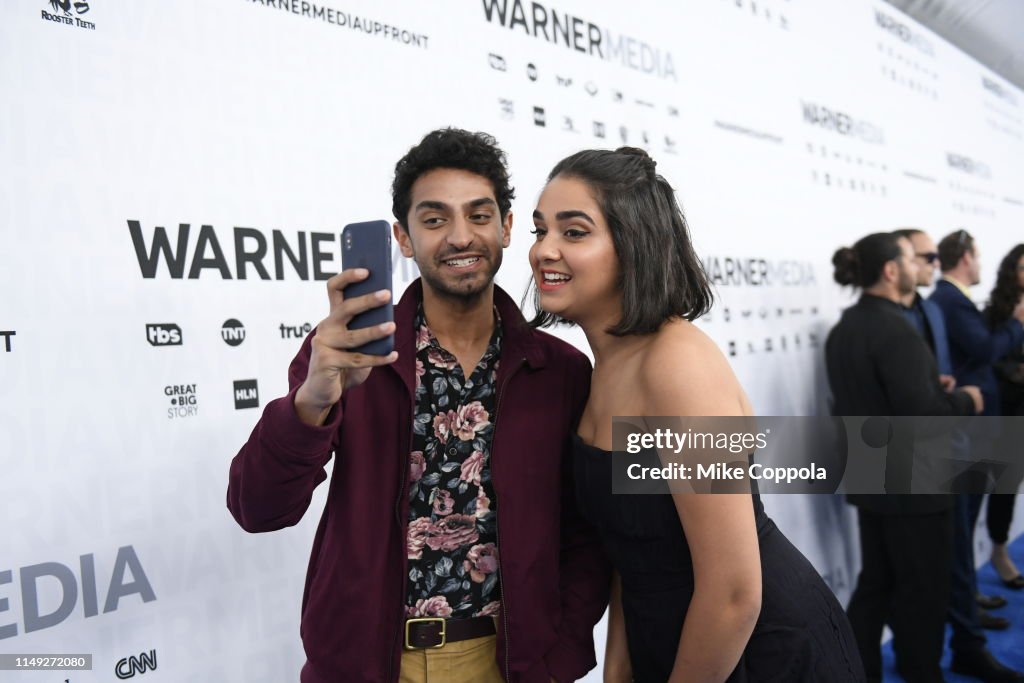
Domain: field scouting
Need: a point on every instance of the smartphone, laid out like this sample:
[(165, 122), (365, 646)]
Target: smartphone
[(368, 245)]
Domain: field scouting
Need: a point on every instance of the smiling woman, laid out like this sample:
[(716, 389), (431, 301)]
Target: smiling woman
[(710, 589), (617, 198)]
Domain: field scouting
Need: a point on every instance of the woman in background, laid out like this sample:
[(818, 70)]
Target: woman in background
[(1005, 297), (707, 588)]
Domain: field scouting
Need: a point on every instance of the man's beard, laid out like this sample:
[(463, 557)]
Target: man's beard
[(907, 284), (465, 290)]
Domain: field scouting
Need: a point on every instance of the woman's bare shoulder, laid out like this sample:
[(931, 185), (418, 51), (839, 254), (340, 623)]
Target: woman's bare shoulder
[(685, 372)]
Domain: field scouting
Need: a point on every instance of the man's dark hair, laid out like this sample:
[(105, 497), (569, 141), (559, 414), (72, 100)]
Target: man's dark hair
[(953, 247), (908, 232), (861, 265), (451, 148), (659, 273)]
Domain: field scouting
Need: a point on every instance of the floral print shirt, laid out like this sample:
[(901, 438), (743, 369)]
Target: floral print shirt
[(452, 539)]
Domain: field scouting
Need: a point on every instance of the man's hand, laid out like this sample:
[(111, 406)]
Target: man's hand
[(948, 383), (332, 367), (975, 394)]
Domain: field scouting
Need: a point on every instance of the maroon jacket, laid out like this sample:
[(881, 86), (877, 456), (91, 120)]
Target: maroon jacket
[(554, 575)]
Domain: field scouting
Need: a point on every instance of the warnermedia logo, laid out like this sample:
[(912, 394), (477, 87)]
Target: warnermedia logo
[(901, 31), (247, 394), (842, 123), (968, 165), (163, 334), (998, 90)]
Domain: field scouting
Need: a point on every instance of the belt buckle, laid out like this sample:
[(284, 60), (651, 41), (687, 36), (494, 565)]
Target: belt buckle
[(422, 620)]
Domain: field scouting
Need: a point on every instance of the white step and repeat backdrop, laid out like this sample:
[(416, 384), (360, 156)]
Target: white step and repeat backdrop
[(174, 177)]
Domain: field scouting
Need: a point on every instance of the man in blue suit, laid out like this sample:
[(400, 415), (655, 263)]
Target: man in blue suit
[(972, 348)]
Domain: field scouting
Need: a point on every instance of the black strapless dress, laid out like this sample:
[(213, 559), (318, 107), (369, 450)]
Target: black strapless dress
[(802, 633)]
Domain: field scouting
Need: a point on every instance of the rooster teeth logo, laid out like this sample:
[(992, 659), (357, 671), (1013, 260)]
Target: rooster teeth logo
[(62, 13), (183, 400), (247, 394), (232, 332), (163, 334)]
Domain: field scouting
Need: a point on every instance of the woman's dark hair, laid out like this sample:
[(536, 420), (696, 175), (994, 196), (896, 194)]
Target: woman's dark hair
[(659, 273), (1007, 291), (451, 148), (861, 266)]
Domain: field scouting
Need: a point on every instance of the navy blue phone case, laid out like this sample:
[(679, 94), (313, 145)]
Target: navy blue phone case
[(368, 245)]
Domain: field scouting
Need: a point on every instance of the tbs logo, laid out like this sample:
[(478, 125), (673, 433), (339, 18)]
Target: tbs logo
[(163, 334)]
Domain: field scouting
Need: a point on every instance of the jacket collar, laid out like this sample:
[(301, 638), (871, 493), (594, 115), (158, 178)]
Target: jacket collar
[(519, 340), (879, 302), (947, 281), (964, 289)]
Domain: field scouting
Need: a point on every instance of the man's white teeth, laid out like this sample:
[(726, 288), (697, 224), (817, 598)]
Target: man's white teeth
[(556, 277), (462, 262)]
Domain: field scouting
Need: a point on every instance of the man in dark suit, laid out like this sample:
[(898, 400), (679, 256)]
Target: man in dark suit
[(878, 365), (973, 347), (925, 315)]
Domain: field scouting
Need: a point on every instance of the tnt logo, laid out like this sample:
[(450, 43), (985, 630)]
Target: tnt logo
[(232, 332), (127, 667), (247, 394), (163, 334)]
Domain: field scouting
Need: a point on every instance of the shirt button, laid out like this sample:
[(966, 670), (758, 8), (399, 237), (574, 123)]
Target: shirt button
[(451, 451)]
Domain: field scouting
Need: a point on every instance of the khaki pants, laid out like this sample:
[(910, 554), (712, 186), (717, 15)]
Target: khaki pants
[(467, 661)]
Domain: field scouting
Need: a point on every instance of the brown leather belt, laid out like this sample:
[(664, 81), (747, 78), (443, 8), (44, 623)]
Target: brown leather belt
[(432, 632)]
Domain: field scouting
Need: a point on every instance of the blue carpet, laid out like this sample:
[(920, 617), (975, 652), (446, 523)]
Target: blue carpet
[(1007, 646)]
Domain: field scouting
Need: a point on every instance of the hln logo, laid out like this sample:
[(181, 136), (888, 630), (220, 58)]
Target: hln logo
[(129, 666), (247, 394)]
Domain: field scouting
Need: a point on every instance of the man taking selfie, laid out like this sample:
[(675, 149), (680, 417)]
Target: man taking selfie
[(450, 548)]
